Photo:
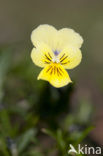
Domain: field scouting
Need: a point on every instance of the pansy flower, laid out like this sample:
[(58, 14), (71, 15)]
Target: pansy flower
[(54, 51)]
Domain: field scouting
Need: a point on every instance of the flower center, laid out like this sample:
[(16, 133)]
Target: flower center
[(55, 60), (63, 60), (56, 53)]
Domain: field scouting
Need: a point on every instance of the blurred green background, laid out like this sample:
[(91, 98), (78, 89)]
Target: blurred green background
[(35, 118)]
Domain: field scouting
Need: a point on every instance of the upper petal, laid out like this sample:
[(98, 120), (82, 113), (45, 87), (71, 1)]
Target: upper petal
[(55, 74), (42, 55), (44, 33), (70, 57), (56, 39), (70, 37)]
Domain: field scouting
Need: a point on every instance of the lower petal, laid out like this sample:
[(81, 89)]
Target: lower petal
[(55, 74)]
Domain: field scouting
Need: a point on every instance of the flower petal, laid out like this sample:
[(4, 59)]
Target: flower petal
[(42, 55), (70, 57), (55, 74), (70, 37), (44, 33)]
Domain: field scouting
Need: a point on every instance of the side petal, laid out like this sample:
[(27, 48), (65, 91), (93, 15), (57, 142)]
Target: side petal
[(70, 37), (55, 74), (42, 55), (43, 33), (70, 57)]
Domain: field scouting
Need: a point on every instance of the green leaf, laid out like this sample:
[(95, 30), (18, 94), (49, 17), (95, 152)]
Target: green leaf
[(3, 147), (49, 132), (58, 136), (6, 127), (84, 134), (25, 139), (60, 140), (85, 111)]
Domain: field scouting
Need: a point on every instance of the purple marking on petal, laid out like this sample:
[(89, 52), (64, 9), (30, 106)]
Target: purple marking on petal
[(56, 52)]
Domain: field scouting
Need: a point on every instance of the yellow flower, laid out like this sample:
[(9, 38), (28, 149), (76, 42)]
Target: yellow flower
[(56, 50)]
